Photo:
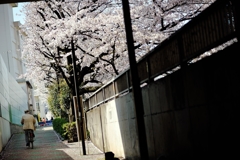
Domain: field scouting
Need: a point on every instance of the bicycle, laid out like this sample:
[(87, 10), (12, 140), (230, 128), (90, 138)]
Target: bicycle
[(30, 138)]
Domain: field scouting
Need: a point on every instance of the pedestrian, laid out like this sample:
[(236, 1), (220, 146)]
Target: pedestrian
[(44, 121), (28, 122)]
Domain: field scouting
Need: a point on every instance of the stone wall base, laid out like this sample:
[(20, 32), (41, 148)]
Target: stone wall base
[(16, 129)]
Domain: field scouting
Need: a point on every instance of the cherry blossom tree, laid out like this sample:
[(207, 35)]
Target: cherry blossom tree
[(97, 30)]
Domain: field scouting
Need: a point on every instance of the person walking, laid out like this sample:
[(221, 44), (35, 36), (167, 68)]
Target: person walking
[(28, 122), (44, 121)]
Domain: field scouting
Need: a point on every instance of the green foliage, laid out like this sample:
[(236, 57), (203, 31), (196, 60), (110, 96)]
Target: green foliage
[(58, 98), (88, 134), (64, 96), (58, 125), (70, 130)]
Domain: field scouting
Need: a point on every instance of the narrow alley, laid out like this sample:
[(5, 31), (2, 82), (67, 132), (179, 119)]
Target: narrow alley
[(47, 145)]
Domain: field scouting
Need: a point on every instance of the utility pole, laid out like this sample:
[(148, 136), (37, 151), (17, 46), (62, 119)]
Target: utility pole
[(137, 94), (76, 108), (72, 110), (77, 95)]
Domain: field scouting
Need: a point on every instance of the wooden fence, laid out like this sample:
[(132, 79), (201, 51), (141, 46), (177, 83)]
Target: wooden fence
[(216, 25)]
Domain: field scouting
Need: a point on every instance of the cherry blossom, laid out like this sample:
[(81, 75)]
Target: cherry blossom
[(98, 32)]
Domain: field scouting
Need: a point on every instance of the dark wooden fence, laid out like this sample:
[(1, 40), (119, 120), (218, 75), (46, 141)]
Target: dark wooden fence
[(216, 25)]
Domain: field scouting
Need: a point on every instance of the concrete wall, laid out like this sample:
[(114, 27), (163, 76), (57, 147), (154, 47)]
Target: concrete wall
[(5, 132), (190, 114), (104, 128), (13, 102)]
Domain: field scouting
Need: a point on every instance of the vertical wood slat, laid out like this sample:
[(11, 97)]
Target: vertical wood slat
[(206, 32), (199, 40), (210, 27), (128, 80), (95, 98), (195, 40), (228, 20), (236, 12), (189, 38), (184, 43), (142, 70), (99, 96), (218, 12), (224, 24), (114, 89), (213, 27), (233, 13), (148, 70), (109, 90), (203, 34), (121, 83), (230, 15), (215, 21), (208, 21)]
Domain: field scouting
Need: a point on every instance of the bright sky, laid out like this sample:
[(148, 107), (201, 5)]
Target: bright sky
[(17, 15)]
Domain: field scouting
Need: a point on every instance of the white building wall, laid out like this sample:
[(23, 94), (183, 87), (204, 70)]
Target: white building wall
[(18, 101), (13, 98), (4, 91), (18, 37), (8, 43), (13, 102), (42, 104), (41, 99)]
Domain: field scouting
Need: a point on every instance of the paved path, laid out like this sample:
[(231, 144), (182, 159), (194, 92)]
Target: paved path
[(48, 146)]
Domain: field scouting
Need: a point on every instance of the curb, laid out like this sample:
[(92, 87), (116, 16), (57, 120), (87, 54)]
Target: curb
[(60, 138)]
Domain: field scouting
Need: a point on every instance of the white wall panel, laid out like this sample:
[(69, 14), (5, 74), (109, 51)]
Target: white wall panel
[(13, 102), (5, 131)]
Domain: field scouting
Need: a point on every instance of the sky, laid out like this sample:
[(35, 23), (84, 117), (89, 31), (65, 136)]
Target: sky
[(17, 15)]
